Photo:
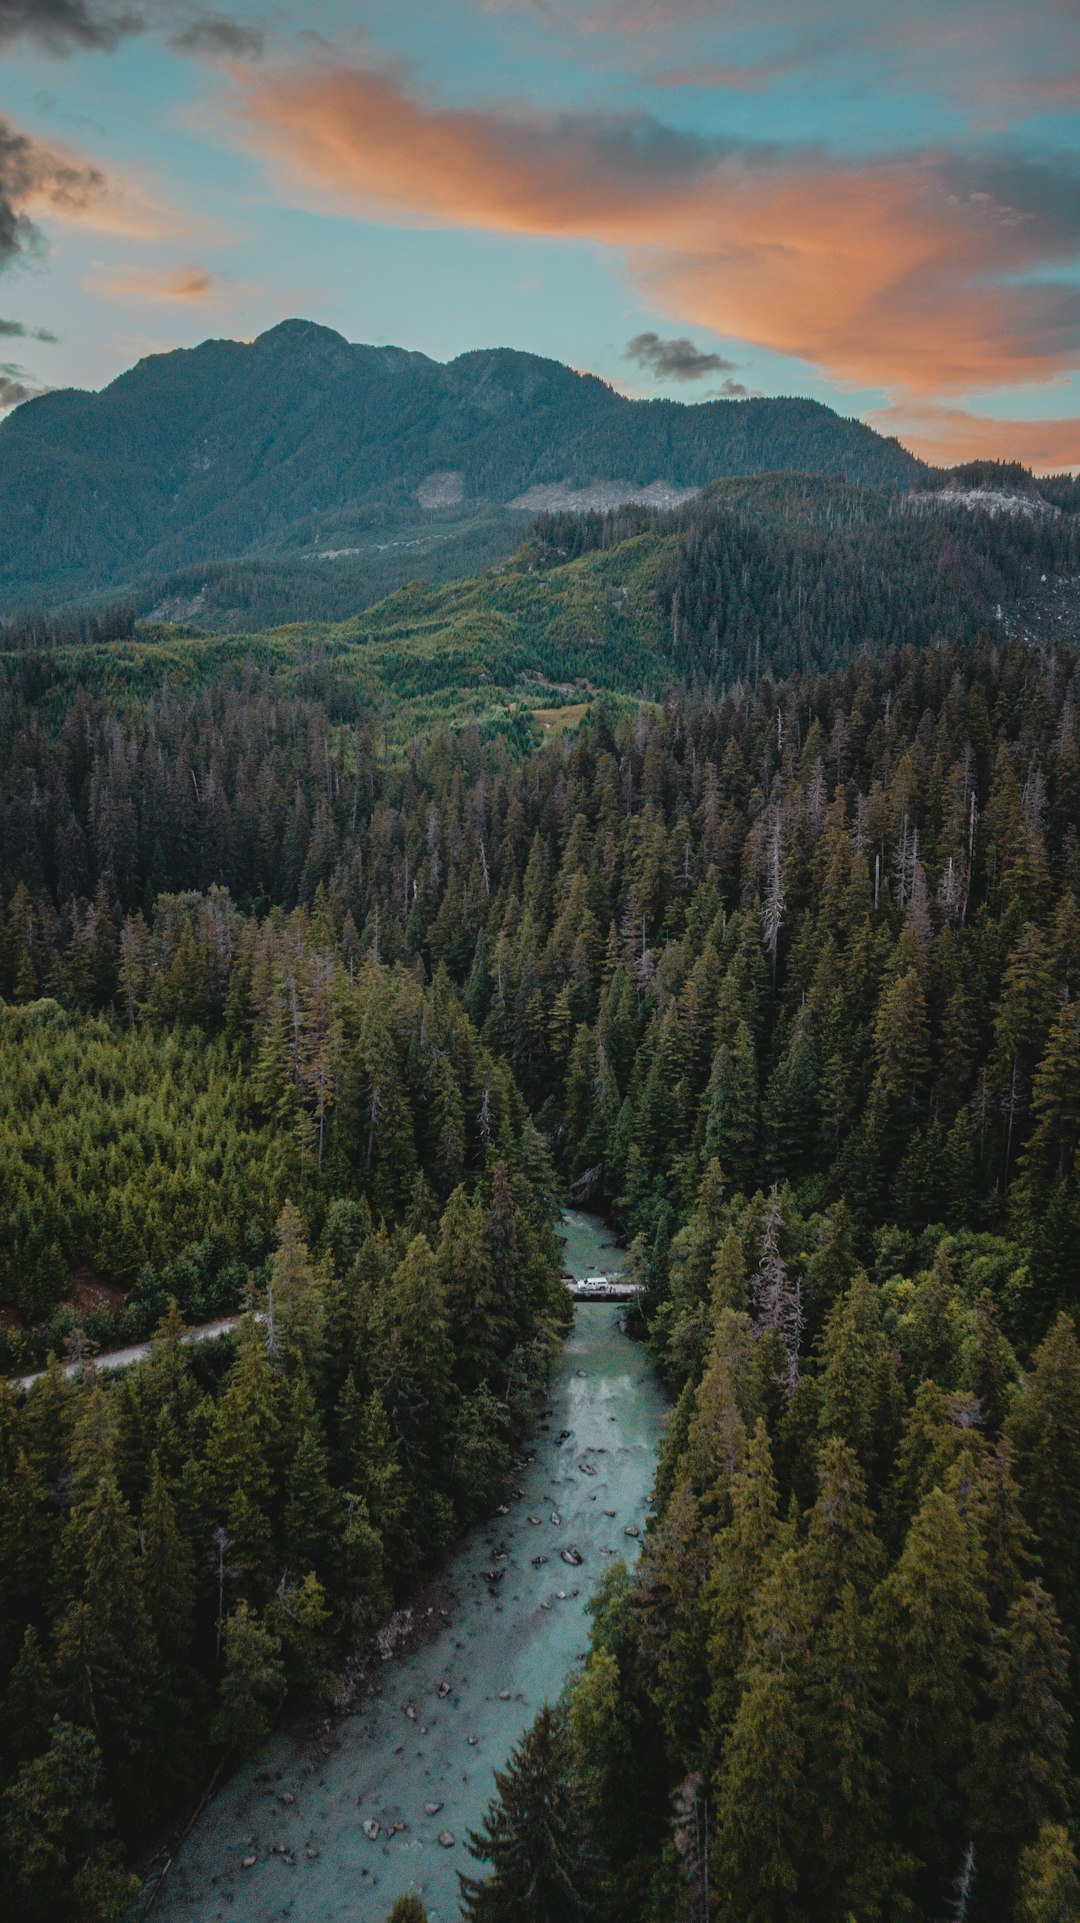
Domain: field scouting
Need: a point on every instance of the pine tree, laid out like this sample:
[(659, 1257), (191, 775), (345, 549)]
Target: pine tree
[(730, 1108), (30, 1703), (107, 1660), (1044, 1428), (296, 1305), (988, 1367), (411, 1360), (1021, 1763), (242, 1450), (252, 1685), (860, 1397), (1049, 1880), (762, 1793), (531, 1839), (168, 1571), (312, 1520), (933, 1629), (743, 1552), (474, 1312), (54, 1826), (407, 1909)]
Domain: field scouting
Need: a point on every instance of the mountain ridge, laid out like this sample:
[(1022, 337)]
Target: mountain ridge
[(302, 439)]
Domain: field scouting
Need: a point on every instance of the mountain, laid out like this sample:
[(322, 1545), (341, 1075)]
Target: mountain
[(368, 462)]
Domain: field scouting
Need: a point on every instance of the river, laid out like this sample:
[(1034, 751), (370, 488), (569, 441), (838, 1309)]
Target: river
[(285, 1837)]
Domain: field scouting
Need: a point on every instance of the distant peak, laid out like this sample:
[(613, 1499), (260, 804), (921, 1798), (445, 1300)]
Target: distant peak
[(288, 332)]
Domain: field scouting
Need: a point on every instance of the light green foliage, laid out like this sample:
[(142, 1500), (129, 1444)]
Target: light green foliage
[(121, 1149)]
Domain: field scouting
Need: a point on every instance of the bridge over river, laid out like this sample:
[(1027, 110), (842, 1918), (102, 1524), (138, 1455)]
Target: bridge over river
[(588, 1278)]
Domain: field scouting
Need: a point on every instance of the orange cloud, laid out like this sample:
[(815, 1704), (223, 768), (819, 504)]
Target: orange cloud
[(906, 272), (185, 284), (946, 435)]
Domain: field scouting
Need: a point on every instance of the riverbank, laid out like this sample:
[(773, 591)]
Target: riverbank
[(286, 1837)]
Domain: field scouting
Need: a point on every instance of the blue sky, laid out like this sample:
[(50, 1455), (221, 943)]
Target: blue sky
[(876, 206)]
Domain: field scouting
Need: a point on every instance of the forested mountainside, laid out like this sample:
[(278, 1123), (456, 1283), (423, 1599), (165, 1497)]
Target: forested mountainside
[(300, 442), (772, 573)]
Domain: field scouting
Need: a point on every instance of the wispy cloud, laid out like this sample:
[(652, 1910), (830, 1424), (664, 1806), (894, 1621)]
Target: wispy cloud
[(190, 286), (947, 435), (933, 273), (15, 331)]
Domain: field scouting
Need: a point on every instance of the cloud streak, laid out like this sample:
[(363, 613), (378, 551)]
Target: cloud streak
[(15, 331), (929, 274), (948, 435), (188, 286)]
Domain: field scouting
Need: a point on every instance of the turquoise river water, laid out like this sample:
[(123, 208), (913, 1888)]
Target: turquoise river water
[(285, 1838)]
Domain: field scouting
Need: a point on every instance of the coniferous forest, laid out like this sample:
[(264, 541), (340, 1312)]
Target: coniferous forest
[(782, 974)]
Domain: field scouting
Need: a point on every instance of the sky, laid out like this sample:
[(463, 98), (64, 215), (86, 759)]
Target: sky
[(874, 204)]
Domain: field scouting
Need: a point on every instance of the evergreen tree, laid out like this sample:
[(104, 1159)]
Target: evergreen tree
[(54, 1826), (1044, 1427), (530, 1837), (252, 1684), (933, 1629), (1021, 1766), (1049, 1883)]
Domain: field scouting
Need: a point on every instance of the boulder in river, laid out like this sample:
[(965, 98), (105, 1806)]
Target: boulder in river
[(556, 1518), (371, 1829), (574, 1557), (631, 1529), (433, 1808), (447, 1839)]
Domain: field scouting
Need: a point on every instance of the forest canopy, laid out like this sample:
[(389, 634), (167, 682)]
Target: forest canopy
[(313, 1024)]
